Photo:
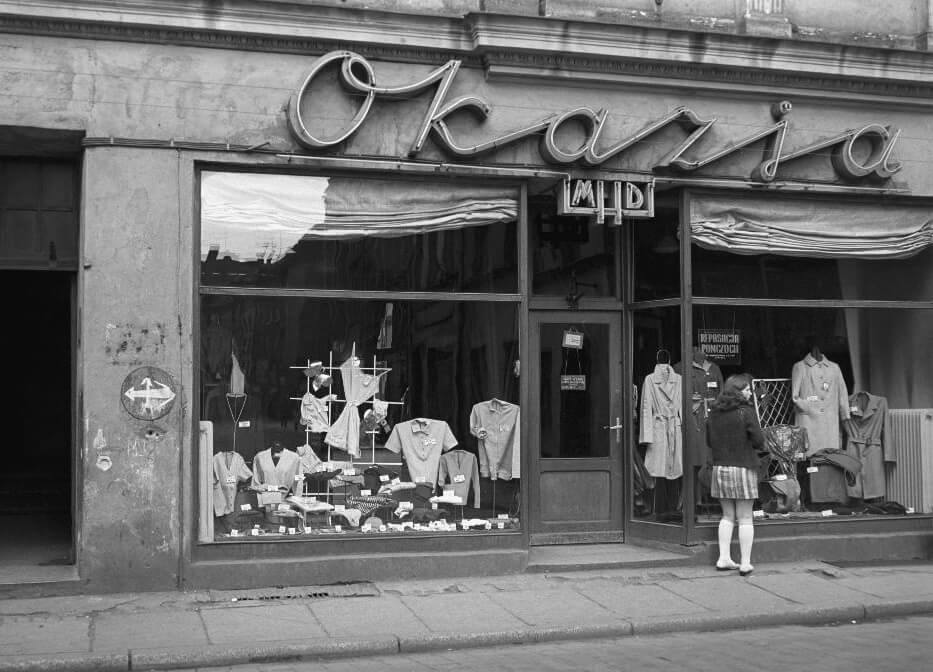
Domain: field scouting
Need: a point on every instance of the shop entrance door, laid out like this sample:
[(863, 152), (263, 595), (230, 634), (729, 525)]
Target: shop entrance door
[(576, 427)]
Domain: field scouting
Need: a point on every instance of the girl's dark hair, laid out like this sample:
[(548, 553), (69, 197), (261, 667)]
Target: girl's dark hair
[(731, 395)]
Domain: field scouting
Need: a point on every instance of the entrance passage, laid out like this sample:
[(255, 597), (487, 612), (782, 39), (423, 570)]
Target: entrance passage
[(36, 407), (577, 384)]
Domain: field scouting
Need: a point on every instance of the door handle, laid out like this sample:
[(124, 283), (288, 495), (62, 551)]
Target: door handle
[(617, 427)]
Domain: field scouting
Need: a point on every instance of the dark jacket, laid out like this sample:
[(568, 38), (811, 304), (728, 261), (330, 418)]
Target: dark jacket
[(733, 434)]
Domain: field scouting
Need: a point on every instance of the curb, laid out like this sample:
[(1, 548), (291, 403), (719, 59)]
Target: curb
[(165, 658)]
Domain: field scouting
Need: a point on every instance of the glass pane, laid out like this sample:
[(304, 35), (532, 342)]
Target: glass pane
[(570, 249), (432, 413), (575, 390), (656, 255), (821, 375), (657, 462), (299, 231), (717, 273)]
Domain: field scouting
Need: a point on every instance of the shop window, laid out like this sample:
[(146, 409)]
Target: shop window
[(748, 247), (657, 458), (299, 231), (656, 255), (838, 393), (349, 415), (571, 251)]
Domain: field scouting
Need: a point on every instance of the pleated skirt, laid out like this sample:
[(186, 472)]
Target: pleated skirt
[(734, 483)]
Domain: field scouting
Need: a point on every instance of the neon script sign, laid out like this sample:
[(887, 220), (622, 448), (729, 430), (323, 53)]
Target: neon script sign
[(357, 75)]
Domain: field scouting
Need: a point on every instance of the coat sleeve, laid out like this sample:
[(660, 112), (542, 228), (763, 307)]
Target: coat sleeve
[(753, 429), (646, 426), (796, 385), (843, 394)]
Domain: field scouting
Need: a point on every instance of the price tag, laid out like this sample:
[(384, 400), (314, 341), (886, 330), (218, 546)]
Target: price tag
[(243, 424), (406, 506), (234, 533), (800, 456), (758, 513), (281, 529), (712, 384), (349, 472), (283, 507), (459, 478), (339, 507), (254, 532), (299, 477), (230, 480), (488, 525), (503, 516), (366, 493), (813, 397), (292, 530), (853, 409), (396, 481), (909, 509), (246, 507), (500, 525), (384, 478), (338, 528), (812, 470), (449, 493), (780, 477), (272, 488), (826, 513), (434, 506), (383, 528)]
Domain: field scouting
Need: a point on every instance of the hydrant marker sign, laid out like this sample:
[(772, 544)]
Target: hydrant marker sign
[(723, 346)]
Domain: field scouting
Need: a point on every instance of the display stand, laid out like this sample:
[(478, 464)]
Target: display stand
[(236, 402)]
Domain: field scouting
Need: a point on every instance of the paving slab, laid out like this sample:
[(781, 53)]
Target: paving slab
[(20, 635), (119, 632), (553, 607), (461, 613), (907, 585), (728, 594), (807, 589), (238, 625), (648, 600), (379, 615)]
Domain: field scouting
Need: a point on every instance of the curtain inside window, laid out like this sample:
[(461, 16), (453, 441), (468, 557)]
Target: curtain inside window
[(264, 215), (810, 228)]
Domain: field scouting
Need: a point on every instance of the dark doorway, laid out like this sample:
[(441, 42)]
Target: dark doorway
[(37, 410)]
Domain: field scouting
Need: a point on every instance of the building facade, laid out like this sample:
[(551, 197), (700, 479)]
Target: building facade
[(331, 293)]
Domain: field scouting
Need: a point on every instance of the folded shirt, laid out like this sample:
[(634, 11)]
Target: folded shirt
[(309, 504), (447, 499)]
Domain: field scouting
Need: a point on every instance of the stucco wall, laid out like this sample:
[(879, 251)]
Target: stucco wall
[(133, 293)]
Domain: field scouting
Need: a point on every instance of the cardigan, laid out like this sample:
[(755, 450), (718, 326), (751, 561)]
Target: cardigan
[(734, 435)]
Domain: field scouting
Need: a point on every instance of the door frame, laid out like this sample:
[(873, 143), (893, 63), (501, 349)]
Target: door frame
[(611, 529)]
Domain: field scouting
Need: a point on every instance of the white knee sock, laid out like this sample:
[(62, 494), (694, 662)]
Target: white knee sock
[(746, 537), (725, 541)]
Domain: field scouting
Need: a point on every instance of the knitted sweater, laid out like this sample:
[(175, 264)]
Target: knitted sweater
[(733, 435)]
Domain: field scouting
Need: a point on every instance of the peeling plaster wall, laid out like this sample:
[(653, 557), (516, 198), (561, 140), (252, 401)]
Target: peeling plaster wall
[(131, 317)]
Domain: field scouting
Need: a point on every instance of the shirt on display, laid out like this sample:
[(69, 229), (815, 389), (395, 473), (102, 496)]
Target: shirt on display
[(229, 470), (421, 442), (282, 474), (497, 426), (457, 472)]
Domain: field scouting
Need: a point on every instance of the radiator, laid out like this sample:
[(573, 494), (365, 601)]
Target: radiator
[(910, 480)]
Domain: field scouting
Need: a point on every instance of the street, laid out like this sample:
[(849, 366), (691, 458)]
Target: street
[(894, 646)]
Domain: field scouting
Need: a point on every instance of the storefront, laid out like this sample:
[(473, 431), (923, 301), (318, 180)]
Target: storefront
[(330, 330)]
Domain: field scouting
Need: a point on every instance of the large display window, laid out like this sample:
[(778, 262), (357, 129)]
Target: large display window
[(331, 406)]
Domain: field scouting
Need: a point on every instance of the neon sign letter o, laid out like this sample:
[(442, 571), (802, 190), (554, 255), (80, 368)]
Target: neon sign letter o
[(296, 123)]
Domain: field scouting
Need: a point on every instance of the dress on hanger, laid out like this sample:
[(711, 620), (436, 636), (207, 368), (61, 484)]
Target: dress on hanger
[(500, 449), (457, 472), (864, 430), (229, 470), (282, 474)]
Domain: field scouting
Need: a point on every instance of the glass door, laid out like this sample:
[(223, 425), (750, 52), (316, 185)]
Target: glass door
[(577, 430)]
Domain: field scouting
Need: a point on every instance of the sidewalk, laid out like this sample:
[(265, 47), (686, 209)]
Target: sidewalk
[(207, 628)]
